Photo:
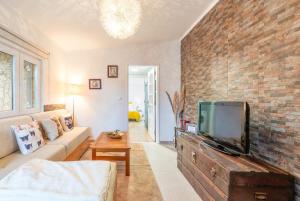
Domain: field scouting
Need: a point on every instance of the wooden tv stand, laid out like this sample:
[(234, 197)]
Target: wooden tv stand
[(220, 177)]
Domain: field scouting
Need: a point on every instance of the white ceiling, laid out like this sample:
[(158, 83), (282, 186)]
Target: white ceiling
[(75, 25)]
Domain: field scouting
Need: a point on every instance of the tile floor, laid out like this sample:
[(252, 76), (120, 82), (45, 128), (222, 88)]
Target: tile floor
[(172, 184)]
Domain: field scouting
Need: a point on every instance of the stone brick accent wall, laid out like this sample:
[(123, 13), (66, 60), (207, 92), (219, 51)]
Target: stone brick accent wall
[(249, 50)]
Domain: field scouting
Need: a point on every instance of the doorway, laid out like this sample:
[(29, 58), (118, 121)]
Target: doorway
[(142, 103)]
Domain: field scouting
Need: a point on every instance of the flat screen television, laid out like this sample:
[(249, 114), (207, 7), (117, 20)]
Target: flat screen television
[(226, 124)]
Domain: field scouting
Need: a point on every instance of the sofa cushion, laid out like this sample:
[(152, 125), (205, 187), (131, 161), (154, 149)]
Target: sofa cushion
[(66, 122), (71, 140), (60, 129), (29, 137), (7, 137), (50, 127), (47, 115), (49, 152)]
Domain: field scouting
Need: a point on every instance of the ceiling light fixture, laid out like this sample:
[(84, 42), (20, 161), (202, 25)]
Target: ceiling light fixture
[(120, 18)]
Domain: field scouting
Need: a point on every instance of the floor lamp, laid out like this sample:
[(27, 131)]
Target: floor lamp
[(73, 90)]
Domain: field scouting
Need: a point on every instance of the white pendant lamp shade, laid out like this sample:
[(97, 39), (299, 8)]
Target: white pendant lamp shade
[(120, 18)]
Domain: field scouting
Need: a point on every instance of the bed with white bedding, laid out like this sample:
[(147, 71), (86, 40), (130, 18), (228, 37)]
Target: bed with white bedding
[(45, 180)]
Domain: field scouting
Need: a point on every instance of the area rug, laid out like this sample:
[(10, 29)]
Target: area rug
[(141, 184)]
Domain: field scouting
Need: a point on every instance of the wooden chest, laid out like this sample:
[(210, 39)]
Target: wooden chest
[(220, 177)]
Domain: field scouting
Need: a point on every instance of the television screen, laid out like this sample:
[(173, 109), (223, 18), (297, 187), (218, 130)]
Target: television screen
[(225, 123)]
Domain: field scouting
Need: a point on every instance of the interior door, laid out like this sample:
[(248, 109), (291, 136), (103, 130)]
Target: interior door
[(151, 103)]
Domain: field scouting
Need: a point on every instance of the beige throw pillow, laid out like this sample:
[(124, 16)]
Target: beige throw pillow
[(42, 130), (50, 129), (58, 124)]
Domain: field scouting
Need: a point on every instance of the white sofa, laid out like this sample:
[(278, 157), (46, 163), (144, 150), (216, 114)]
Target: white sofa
[(57, 150)]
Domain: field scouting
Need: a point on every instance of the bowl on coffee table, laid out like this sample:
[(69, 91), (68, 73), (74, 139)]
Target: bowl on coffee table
[(115, 134)]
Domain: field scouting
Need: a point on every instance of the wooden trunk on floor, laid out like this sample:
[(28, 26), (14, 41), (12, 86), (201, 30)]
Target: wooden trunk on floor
[(220, 177)]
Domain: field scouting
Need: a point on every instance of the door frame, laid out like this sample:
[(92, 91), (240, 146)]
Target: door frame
[(156, 67), (146, 97)]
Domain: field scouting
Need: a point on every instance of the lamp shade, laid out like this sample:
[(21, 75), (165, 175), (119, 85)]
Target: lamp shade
[(73, 89)]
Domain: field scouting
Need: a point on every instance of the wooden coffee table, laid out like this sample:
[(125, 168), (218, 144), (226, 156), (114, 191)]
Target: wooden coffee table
[(105, 144)]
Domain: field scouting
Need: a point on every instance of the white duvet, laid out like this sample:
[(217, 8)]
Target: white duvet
[(42, 180)]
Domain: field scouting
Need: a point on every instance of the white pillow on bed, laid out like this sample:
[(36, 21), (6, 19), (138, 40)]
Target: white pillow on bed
[(28, 136)]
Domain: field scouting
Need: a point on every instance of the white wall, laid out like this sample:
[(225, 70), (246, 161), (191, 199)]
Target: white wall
[(55, 75), (106, 109), (136, 91)]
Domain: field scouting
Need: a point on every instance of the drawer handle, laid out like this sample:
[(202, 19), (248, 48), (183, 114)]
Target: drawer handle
[(213, 172), (194, 157), (260, 196), (181, 147)]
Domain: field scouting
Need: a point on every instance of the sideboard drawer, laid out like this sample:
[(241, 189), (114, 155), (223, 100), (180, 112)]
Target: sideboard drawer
[(193, 154), (213, 170), (199, 188)]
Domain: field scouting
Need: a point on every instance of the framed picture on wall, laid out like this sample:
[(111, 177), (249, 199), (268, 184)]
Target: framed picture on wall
[(95, 84), (112, 71)]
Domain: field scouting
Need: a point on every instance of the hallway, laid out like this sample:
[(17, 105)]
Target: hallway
[(138, 132)]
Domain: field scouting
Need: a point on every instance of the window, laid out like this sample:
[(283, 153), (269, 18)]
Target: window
[(6, 81), (19, 82), (30, 74), (29, 84)]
